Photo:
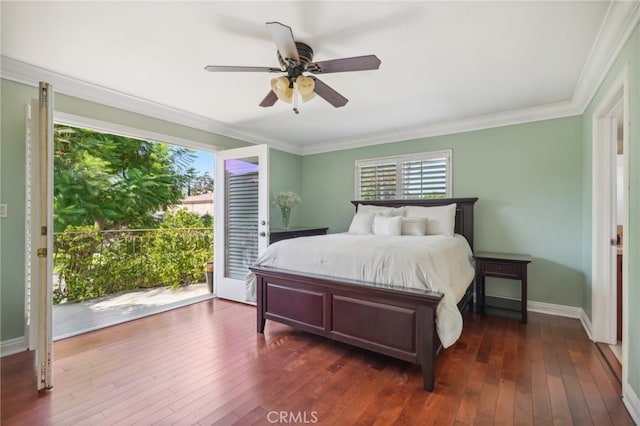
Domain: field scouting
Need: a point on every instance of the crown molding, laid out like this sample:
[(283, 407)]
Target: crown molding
[(31, 75), (521, 116), (617, 27)]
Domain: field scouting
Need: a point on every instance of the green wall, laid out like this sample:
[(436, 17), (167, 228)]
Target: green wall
[(284, 175), (630, 55), (533, 182), (534, 187), (528, 179), (285, 171)]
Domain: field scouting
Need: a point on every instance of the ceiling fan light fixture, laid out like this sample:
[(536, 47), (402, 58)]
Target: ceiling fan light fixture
[(295, 59), (280, 87), (306, 85)]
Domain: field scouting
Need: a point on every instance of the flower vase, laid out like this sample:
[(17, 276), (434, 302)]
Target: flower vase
[(285, 217)]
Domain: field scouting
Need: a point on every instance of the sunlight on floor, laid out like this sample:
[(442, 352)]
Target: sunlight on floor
[(151, 297), (70, 319)]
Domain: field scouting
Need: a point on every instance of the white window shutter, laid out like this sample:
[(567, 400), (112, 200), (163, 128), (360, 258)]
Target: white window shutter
[(423, 175)]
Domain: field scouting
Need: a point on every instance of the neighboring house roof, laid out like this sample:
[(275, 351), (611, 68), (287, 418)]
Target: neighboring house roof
[(199, 199), (201, 204)]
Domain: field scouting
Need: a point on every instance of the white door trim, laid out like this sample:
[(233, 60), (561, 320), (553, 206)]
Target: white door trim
[(603, 255)]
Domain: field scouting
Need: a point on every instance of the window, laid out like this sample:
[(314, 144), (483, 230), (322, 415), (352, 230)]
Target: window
[(423, 175)]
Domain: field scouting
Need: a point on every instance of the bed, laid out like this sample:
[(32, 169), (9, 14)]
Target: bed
[(380, 317)]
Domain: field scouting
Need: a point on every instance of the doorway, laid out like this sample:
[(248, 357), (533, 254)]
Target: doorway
[(619, 190), (122, 197), (610, 174)]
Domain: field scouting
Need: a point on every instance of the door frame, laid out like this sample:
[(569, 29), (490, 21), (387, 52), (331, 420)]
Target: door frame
[(603, 221), (33, 299), (262, 152)]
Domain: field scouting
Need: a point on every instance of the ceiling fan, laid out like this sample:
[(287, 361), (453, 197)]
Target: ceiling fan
[(295, 59)]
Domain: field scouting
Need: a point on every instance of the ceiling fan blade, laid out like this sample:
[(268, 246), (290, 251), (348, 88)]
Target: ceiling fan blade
[(356, 63), (269, 100), (228, 68), (328, 94), (283, 38)]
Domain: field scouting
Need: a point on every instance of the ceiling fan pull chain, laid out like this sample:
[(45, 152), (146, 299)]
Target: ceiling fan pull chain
[(295, 98)]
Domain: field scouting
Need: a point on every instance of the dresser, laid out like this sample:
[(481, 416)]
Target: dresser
[(279, 234)]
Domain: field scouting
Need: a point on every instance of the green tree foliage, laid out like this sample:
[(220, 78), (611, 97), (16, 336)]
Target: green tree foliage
[(201, 184), (113, 181), (177, 252), (94, 263)]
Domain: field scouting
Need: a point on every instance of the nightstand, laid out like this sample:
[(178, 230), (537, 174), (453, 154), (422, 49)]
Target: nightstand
[(502, 265), (277, 234)]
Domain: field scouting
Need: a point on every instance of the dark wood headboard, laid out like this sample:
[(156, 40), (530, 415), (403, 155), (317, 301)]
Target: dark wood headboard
[(464, 210)]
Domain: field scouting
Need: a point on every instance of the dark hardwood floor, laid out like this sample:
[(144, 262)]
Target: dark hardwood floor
[(205, 364)]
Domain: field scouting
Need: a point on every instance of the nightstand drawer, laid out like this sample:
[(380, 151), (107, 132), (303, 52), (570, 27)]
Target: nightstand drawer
[(502, 269)]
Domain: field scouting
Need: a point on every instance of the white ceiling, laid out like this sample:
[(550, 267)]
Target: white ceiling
[(446, 66)]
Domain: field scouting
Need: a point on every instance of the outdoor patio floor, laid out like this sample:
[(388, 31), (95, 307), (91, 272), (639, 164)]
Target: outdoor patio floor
[(70, 319)]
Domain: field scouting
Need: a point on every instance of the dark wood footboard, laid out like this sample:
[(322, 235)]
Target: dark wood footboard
[(396, 322)]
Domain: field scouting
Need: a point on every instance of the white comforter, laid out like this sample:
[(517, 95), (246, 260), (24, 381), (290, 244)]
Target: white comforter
[(434, 262)]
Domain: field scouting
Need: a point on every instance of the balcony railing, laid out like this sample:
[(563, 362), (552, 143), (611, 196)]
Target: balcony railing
[(91, 263)]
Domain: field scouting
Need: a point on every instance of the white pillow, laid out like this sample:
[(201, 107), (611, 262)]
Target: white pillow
[(397, 211), (441, 220), (377, 210), (414, 226), (383, 225), (381, 210), (361, 223)]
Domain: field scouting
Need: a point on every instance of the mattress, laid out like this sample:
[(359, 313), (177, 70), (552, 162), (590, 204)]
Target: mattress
[(432, 262)]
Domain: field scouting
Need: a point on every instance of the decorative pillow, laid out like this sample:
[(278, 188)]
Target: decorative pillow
[(441, 220), (383, 225), (414, 226), (361, 223)]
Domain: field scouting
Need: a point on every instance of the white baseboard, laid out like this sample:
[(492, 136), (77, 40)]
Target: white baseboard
[(13, 346), (552, 309), (632, 402), (559, 310), (563, 311), (586, 324)]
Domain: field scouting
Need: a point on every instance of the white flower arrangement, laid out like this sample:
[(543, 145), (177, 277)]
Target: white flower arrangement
[(285, 200)]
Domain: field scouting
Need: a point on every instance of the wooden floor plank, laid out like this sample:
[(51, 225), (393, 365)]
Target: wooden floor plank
[(559, 403), (205, 364)]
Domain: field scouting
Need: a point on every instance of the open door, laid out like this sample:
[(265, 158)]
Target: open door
[(241, 218), (39, 232)]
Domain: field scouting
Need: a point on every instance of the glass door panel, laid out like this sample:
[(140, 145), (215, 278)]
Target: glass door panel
[(241, 217)]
